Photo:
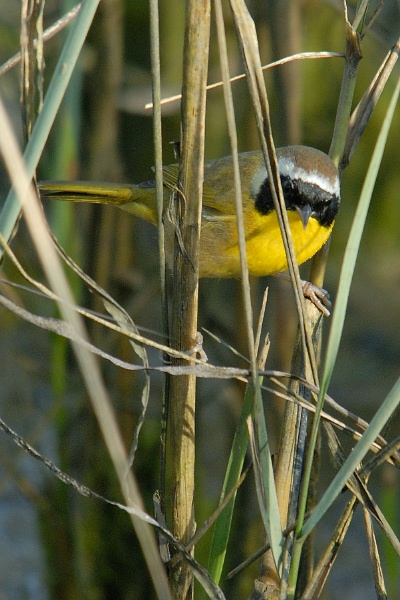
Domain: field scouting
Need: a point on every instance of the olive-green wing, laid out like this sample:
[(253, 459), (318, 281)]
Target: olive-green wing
[(215, 205)]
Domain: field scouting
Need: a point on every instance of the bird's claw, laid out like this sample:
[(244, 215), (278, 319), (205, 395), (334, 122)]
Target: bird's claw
[(197, 348), (318, 296)]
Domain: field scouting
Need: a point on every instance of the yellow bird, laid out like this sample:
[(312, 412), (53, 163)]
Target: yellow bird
[(310, 183)]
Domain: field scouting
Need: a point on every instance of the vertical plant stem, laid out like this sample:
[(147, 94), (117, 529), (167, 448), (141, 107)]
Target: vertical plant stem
[(187, 208), (157, 137), (32, 62), (319, 262)]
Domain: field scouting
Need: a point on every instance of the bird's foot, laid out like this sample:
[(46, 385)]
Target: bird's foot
[(318, 296), (197, 348)]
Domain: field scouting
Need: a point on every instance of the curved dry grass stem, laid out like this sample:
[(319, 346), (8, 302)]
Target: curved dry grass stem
[(87, 362), (47, 35), (276, 63)]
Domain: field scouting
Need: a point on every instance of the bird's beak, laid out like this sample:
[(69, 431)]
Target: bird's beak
[(304, 213)]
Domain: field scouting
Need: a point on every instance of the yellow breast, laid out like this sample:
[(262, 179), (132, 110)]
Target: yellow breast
[(219, 250)]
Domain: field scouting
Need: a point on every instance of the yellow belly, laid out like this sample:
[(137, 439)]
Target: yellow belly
[(219, 251)]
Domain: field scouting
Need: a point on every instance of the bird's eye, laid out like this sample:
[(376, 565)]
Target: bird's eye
[(320, 206), (286, 183)]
